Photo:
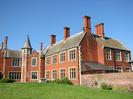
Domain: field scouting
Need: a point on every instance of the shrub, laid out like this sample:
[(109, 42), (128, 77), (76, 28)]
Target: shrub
[(6, 81), (130, 88), (61, 81), (106, 86)]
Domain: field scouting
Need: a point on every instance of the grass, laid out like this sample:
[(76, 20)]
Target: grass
[(56, 91)]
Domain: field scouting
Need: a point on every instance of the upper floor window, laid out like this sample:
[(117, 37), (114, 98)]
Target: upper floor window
[(16, 62), (126, 56), (62, 57), (54, 59), (117, 55), (54, 74), (72, 73), (34, 75), (72, 55), (34, 62), (108, 54), (47, 60)]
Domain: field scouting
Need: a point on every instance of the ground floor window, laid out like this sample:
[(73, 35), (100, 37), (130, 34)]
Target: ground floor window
[(47, 75), (14, 75), (62, 73), (54, 74), (34, 75), (72, 73)]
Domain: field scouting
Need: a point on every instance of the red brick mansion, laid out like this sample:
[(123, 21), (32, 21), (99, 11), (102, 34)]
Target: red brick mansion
[(73, 56)]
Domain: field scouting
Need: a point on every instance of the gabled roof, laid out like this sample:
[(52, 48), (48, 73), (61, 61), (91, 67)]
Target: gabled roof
[(70, 42), (75, 40), (111, 43)]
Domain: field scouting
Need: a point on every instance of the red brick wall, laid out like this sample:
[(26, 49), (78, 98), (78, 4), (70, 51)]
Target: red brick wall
[(113, 62), (66, 64), (115, 79), (100, 53), (89, 48), (33, 68)]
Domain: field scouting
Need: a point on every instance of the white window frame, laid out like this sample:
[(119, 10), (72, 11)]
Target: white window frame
[(60, 72), (14, 71), (110, 53), (125, 57), (120, 55), (60, 57), (14, 65), (31, 75), (56, 74), (32, 60), (56, 58), (69, 54), (49, 74), (46, 60), (75, 74)]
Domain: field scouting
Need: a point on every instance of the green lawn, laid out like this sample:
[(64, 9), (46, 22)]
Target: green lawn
[(55, 91)]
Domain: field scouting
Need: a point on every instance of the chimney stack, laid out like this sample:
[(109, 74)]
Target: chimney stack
[(53, 39), (41, 46), (87, 24), (100, 30), (66, 32), (5, 42), (1, 45)]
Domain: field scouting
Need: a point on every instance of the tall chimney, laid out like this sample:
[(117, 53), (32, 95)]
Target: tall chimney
[(53, 39), (41, 46), (5, 42), (1, 45), (100, 30), (87, 24), (66, 32)]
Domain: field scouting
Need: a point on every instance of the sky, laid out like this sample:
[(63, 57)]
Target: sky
[(41, 18)]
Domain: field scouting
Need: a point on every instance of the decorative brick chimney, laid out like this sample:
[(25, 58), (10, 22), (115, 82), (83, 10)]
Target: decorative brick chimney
[(41, 46), (53, 39), (66, 32), (5, 42), (87, 24), (100, 30)]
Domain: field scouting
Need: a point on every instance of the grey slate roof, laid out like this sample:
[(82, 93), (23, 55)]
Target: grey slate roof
[(111, 43), (70, 42), (75, 40), (86, 66), (14, 53)]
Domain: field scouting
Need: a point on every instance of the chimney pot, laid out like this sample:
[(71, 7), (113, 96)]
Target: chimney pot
[(87, 24), (53, 39), (100, 30), (66, 32)]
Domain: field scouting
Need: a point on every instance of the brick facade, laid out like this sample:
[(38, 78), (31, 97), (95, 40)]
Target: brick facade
[(35, 66)]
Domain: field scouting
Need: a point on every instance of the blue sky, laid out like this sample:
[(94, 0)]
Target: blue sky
[(40, 18)]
